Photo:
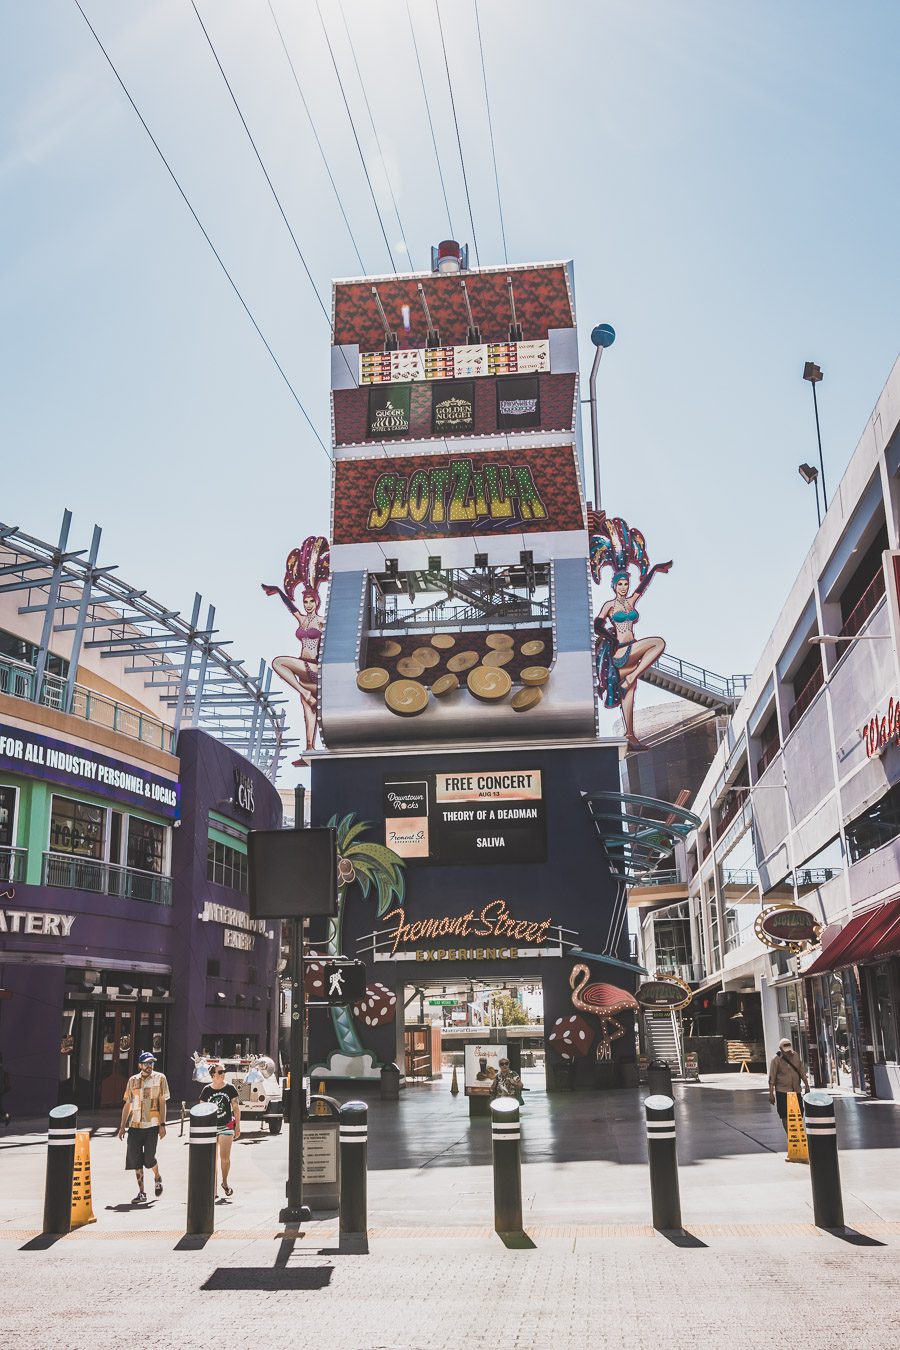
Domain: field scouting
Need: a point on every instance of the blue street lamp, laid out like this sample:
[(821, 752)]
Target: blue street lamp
[(602, 336)]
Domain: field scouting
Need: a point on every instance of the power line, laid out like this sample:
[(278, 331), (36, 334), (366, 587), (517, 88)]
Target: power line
[(202, 229), (316, 135), (437, 10), (487, 102), (362, 157), (374, 131), (430, 123), (271, 184)]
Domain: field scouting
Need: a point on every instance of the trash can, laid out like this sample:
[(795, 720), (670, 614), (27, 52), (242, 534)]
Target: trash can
[(564, 1076), (659, 1078), (390, 1082)]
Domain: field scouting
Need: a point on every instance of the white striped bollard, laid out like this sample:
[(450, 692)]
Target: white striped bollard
[(354, 1134), (61, 1129), (824, 1171), (506, 1134), (201, 1169), (664, 1192)]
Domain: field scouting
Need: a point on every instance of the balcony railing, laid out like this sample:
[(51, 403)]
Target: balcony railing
[(728, 812), (805, 697), (12, 863), (90, 874), (746, 877), (20, 681), (863, 607), (766, 758)]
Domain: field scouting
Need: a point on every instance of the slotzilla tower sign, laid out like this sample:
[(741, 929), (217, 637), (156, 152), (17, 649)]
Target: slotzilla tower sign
[(457, 699)]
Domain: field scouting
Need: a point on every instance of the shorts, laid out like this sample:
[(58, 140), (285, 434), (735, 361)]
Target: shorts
[(140, 1147), (227, 1130)]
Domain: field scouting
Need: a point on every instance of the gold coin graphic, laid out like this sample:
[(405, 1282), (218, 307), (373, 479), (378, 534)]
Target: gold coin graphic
[(462, 661), (445, 684), (498, 640), (501, 657), (489, 682), (524, 699), (389, 649), (372, 679), (410, 667), (531, 648), (444, 641), (426, 656), (406, 697), (535, 675)]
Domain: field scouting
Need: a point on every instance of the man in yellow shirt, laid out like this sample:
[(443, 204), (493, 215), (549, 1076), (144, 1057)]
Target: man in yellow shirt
[(144, 1115)]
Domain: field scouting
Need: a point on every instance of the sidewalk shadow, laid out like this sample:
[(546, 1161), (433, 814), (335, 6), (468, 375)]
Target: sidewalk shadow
[(680, 1237), (192, 1242), (42, 1242), (854, 1238), (268, 1279), (517, 1242)]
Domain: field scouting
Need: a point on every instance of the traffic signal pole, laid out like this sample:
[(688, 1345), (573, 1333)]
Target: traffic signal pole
[(295, 1212)]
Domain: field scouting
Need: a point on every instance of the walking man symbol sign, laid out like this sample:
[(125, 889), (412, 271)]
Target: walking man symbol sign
[(344, 982)]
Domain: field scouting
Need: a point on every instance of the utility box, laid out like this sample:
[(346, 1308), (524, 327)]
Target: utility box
[(322, 1159)]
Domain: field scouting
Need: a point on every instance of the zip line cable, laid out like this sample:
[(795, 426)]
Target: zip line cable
[(270, 183), (374, 131), (487, 103), (437, 10), (315, 133), (202, 229), (259, 158), (430, 122), (362, 157)]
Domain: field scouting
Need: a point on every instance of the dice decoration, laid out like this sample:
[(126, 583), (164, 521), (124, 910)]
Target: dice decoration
[(571, 1037), (377, 1007)]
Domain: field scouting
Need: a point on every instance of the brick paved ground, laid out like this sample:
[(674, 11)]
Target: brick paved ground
[(437, 1276)]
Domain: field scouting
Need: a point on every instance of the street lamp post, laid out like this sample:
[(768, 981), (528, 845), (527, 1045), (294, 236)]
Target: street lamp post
[(813, 374), (603, 336), (810, 474)]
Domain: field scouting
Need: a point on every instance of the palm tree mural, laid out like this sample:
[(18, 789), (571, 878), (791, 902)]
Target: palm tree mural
[(371, 866)]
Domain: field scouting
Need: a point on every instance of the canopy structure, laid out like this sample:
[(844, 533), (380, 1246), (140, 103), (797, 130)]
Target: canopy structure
[(182, 661), (637, 834), (872, 936)]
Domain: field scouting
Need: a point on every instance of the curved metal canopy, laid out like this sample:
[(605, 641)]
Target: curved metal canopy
[(637, 833)]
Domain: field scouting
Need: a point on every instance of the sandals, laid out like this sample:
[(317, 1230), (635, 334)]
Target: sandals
[(227, 1189)]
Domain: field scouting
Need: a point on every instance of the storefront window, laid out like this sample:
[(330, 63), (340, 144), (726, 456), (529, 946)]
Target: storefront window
[(884, 1020), (76, 828), (146, 845), (226, 866), (7, 816)]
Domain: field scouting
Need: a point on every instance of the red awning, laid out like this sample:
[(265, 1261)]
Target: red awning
[(867, 937)]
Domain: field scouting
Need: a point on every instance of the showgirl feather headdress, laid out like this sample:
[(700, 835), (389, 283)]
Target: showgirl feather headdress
[(617, 546), (309, 565)]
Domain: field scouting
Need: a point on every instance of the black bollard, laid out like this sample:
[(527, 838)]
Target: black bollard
[(61, 1129), (506, 1133), (201, 1170), (824, 1171), (664, 1191), (354, 1133)]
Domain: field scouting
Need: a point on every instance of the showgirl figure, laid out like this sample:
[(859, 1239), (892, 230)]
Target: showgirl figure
[(309, 566), (621, 657)]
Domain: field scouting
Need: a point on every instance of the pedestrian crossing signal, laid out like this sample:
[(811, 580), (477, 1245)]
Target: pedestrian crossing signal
[(344, 982)]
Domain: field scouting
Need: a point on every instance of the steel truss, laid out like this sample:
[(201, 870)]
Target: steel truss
[(203, 685)]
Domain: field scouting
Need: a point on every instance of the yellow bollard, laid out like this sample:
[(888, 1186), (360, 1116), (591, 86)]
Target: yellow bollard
[(321, 1108), (82, 1209), (798, 1149), (454, 1083)]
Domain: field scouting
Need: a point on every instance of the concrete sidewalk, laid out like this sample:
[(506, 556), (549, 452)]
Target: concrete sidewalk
[(436, 1274)]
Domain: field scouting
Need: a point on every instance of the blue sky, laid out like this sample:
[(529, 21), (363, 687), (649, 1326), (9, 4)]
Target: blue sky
[(722, 174)]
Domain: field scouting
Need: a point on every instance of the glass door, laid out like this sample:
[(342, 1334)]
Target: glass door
[(117, 1054)]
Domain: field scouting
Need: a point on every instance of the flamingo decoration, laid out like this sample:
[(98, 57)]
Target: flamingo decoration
[(603, 1000)]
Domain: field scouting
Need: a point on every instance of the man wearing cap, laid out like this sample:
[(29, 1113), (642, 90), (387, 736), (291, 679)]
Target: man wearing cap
[(786, 1073), (144, 1114)]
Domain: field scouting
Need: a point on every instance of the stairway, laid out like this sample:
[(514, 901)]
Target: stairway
[(662, 1037), (721, 692)]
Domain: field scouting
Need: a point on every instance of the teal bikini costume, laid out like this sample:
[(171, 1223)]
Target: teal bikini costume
[(621, 657)]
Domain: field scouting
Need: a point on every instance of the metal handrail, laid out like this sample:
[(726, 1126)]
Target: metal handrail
[(18, 680), (806, 696), (725, 686), (91, 874), (12, 863), (864, 606)]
